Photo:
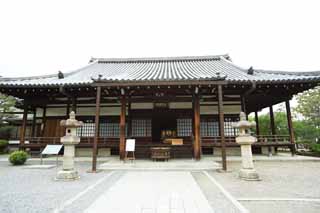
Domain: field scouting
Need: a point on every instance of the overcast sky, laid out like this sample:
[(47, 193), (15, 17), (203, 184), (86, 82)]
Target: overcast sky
[(42, 37)]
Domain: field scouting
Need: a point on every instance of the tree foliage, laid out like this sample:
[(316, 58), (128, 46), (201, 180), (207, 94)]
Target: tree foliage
[(7, 104), (304, 131), (309, 106)]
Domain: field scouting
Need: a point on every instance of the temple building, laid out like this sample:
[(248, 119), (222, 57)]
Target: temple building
[(186, 103)]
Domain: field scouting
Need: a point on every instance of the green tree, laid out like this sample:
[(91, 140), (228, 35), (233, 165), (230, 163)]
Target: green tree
[(309, 107), (7, 104)]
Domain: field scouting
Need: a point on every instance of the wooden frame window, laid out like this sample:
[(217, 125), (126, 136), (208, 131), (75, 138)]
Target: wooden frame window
[(141, 127), (184, 127), (209, 127)]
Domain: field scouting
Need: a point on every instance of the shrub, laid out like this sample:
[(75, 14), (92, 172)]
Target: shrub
[(3, 145), (5, 131), (315, 147), (18, 157)]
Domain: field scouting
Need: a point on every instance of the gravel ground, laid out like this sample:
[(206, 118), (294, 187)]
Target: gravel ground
[(34, 190), (279, 180)]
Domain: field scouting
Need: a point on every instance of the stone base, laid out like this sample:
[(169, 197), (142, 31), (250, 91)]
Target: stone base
[(230, 151), (87, 152), (268, 150), (249, 174), (67, 175)]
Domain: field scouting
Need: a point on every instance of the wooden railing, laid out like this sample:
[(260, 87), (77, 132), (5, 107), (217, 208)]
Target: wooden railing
[(114, 142), (261, 140), (273, 139)]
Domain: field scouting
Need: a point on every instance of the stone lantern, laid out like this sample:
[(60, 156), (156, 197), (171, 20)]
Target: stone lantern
[(69, 141), (245, 140)]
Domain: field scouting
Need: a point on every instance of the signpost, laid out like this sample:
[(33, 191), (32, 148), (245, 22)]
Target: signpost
[(130, 147)]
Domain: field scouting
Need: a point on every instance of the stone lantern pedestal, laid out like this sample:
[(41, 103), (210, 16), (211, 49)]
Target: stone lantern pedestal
[(245, 140), (69, 141)]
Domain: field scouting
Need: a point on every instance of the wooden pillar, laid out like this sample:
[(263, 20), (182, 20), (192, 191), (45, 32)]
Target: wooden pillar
[(243, 104), (272, 123), (221, 128), (74, 102), (34, 122), (256, 117), (290, 127), (197, 141), (129, 132), (96, 131), (289, 118), (68, 108), (122, 128), (24, 124), (44, 120)]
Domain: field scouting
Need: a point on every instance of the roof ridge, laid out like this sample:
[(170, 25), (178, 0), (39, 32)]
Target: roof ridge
[(172, 58), (317, 72), (46, 76)]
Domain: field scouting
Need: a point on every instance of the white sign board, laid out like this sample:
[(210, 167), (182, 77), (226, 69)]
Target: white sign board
[(130, 145), (51, 150)]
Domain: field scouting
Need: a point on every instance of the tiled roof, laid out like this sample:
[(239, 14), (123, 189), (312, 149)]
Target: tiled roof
[(202, 68)]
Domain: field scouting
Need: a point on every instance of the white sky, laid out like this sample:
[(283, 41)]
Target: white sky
[(42, 37)]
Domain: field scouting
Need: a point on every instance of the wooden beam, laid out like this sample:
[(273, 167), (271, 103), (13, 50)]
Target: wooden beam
[(122, 128), (96, 131), (272, 123), (197, 141), (221, 128), (24, 124), (256, 117)]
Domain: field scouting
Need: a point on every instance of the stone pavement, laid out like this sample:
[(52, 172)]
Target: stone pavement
[(153, 192)]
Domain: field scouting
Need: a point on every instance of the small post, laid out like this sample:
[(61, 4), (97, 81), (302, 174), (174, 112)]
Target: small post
[(245, 140), (69, 141)]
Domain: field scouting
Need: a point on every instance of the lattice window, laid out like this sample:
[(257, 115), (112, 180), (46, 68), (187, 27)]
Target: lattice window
[(184, 127), (229, 130), (141, 127), (209, 128), (86, 130)]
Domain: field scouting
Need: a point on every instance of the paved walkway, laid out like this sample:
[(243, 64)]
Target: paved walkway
[(153, 192)]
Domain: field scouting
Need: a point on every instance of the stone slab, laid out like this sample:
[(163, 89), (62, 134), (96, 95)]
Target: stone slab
[(39, 166), (137, 192)]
